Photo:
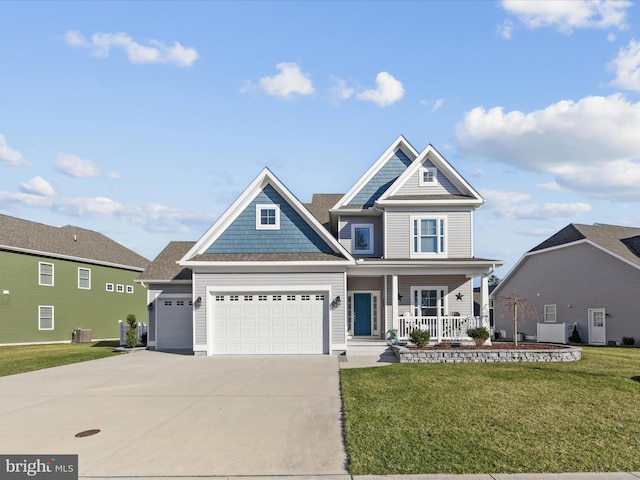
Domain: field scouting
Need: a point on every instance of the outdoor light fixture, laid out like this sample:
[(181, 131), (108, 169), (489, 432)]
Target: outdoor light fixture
[(336, 301), (150, 306), (5, 292), (399, 297), (198, 302)]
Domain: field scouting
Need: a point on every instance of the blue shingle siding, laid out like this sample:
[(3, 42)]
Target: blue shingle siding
[(382, 180), (295, 234)]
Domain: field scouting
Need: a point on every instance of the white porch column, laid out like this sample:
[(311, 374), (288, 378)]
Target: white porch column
[(484, 295), (394, 302)]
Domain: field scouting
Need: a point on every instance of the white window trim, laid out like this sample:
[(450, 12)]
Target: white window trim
[(555, 313), (434, 181), (442, 253), (129, 289), (53, 274), (368, 226), (264, 206), (445, 297), (113, 289), (53, 316), (88, 270), (120, 288)]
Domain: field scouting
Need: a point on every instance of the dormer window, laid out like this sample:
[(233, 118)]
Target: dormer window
[(267, 217), (428, 176), (362, 239)]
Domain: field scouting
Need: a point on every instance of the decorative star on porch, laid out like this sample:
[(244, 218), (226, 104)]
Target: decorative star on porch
[(459, 296)]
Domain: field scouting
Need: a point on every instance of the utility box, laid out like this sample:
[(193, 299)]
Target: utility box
[(82, 335)]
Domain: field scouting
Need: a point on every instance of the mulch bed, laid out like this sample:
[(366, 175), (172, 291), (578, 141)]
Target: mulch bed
[(494, 346)]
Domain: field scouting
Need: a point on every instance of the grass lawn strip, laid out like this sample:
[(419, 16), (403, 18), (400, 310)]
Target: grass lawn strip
[(27, 358), (495, 418)]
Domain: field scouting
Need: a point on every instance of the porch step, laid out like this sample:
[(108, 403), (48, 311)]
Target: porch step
[(368, 347)]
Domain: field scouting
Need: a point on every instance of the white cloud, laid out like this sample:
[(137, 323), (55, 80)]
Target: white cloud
[(567, 15), (627, 67), (511, 206), (38, 186), (151, 217), (9, 155), (506, 29), (156, 52), (339, 90), (552, 186), (387, 92), (438, 104), (75, 166), (291, 80), (591, 146)]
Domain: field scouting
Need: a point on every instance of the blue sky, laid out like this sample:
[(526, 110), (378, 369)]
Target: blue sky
[(145, 120)]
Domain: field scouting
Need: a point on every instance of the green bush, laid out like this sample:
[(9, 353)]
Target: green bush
[(575, 335), (479, 332), (131, 338), (628, 341), (419, 337)]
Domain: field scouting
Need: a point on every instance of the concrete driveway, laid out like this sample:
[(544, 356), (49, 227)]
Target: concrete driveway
[(172, 415)]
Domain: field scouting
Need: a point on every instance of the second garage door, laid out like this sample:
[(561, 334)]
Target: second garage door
[(269, 323), (175, 325)]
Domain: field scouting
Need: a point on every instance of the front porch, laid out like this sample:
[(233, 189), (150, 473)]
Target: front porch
[(441, 328)]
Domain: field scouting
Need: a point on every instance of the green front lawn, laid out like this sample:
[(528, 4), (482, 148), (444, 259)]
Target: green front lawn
[(495, 418), (26, 358)]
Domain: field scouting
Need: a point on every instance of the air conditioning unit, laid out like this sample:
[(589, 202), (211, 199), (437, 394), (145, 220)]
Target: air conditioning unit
[(82, 335)]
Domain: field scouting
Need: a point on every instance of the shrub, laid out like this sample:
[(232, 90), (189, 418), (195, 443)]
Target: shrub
[(419, 337), (575, 335), (131, 338), (478, 332), (628, 341)]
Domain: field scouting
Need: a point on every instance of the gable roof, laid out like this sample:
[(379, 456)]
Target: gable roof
[(267, 184), (401, 153), (467, 193), (68, 242), (165, 268), (620, 242)]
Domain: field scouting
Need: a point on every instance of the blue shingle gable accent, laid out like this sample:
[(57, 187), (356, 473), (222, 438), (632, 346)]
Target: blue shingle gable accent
[(382, 180), (294, 236)]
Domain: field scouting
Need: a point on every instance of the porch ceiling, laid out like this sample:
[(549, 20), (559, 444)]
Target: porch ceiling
[(470, 267)]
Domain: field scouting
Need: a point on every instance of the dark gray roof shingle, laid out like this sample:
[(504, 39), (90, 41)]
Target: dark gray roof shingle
[(164, 266), (622, 241), (320, 205), (68, 241)]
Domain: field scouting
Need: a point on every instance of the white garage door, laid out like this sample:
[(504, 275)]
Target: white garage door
[(175, 325), (268, 323)]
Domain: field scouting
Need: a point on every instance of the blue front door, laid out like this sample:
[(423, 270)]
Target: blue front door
[(362, 314)]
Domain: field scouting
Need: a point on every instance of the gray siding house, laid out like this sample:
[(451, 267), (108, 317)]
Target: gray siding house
[(273, 275), (584, 274)]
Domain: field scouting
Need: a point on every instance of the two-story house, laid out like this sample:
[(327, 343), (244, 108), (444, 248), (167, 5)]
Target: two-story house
[(54, 280), (273, 275)]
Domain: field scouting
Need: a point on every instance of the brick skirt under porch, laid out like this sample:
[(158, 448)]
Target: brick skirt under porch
[(561, 354)]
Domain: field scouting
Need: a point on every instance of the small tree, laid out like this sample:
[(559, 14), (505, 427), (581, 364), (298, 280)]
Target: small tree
[(521, 309), (132, 331), (419, 337), (493, 281)]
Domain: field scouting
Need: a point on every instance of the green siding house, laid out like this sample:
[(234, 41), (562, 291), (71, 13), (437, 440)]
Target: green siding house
[(54, 280)]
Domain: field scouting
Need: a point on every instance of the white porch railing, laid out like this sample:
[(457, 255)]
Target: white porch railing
[(441, 328)]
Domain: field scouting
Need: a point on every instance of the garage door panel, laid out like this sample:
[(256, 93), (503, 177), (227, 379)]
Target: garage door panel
[(269, 323), (175, 324)]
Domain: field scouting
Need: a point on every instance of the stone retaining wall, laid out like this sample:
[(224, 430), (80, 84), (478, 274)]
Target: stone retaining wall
[(561, 354)]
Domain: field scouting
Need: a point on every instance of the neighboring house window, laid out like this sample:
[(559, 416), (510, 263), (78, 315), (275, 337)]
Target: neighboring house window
[(550, 313), (45, 317), (109, 287), (84, 278), (362, 238), (129, 288), (428, 236), (119, 288), (429, 301), (46, 274), (267, 217), (428, 176)]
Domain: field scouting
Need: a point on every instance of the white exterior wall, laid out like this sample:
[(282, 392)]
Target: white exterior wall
[(270, 282)]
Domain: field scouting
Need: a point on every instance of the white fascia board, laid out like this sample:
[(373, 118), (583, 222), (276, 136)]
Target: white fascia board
[(468, 271), (230, 214), (257, 265), (400, 143), (70, 257), (475, 204), (431, 154), (164, 281), (266, 177)]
